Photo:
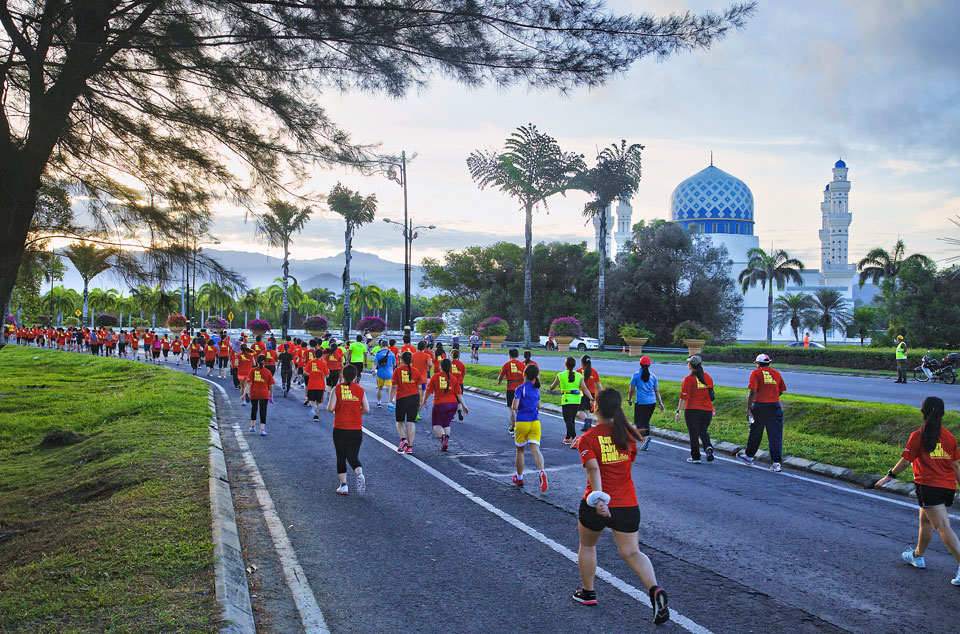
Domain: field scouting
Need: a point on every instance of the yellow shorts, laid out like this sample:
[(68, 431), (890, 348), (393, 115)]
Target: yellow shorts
[(384, 382), (526, 432)]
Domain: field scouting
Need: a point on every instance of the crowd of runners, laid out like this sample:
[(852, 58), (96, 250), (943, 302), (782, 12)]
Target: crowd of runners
[(408, 376)]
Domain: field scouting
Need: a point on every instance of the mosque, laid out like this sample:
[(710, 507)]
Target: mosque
[(721, 206)]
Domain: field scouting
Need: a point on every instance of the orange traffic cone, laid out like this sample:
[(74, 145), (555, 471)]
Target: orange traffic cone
[(624, 351), (484, 345)]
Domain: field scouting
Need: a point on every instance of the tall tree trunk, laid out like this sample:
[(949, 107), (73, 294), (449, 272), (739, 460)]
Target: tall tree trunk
[(602, 251), (528, 274), (770, 314), (245, 318), (348, 240), (18, 201), (284, 315), (86, 305)]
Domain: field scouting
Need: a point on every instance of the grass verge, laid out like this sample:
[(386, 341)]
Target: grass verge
[(864, 436), (104, 505)]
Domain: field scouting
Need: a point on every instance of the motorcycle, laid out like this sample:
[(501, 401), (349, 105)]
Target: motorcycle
[(930, 368)]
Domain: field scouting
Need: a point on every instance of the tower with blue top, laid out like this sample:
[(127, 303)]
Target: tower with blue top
[(835, 228)]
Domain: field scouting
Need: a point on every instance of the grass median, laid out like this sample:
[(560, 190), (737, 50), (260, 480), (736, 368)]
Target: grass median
[(864, 436), (104, 503)]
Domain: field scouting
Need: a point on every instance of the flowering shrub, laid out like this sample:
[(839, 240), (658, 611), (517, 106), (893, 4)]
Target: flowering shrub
[(259, 324), (216, 322), (430, 324), (373, 324), (565, 327), (176, 321), (10, 319), (493, 327), (315, 322), (71, 321), (138, 322), (690, 330), (631, 331), (106, 319)]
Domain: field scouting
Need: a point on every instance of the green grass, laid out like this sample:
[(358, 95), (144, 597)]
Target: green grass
[(864, 436), (107, 528)]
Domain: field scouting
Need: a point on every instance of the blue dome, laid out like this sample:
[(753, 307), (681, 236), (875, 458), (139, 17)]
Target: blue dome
[(712, 194), (828, 187), (840, 163)]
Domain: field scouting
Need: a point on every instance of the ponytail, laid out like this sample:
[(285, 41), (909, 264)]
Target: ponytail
[(697, 371), (645, 373), (407, 359), (570, 364), (587, 367), (609, 407), (932, 410), (445, 367)]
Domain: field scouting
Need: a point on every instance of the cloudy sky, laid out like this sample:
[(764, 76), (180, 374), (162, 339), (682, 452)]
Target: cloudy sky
[(875, 82)]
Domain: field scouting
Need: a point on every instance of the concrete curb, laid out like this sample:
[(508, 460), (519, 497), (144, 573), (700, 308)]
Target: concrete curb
[(801, 464), (230, 574)]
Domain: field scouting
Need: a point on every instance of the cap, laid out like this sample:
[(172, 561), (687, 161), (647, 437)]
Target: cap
[(695, 360), (645, 361), (762, 358), (899, 337)]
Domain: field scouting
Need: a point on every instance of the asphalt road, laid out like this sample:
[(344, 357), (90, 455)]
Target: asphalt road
[(881, 390), (739, 549)]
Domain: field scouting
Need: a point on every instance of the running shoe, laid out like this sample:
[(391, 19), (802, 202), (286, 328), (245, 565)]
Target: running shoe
[(661, 613), (379, 405), (694, 460), (573, 442), (243, 403), (518, 481), (510, 429), (408, 449), (543, 480), (460, 414), (918, 562), (343, 490), (709, 454), (956, 580), (444, 442), (402, 446), (744, 458), (361, 484), (306, 403), (646, 444), (585, 597), (263, 432), (391, 407), (315, 417), (776, 468), (418, 417), (566, 441)]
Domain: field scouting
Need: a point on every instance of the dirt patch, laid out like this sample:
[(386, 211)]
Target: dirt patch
[(60, 438)]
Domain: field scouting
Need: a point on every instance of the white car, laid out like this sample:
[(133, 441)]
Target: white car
[(581, 343)]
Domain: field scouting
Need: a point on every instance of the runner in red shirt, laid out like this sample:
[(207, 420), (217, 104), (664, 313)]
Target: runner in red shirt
[(764, 412), (223, 356), (196, 350), (512, 371), (210, 352), (245, 361), (696, 403), (261, 393), (422, 361), (317, 372), (587, 401), (933, 452), (348, 403), (177, 350), (607, 452), (447, 400), (407, 393)]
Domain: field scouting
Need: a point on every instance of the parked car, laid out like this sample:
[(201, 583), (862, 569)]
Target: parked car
[(799, 344), (582, 344)]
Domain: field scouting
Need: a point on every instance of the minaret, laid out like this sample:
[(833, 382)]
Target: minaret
[(624, 230), (834, 234), (610, 230)]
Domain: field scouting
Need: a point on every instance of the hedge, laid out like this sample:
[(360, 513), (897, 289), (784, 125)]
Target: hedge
[(866, 359)]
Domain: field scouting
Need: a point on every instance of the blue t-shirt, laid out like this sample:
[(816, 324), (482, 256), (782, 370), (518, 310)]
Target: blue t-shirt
[(645, 394), (529, 407), (385, 371)]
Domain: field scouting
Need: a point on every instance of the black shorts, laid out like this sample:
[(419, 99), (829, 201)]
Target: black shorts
[(623, 519), (474, 346), (334, 378), (222, 362), (933, 496), (210, 363), (642, 415), (272, 368), (315, 395), (510, 394), (156, 354), (586, 403), (166, 353), (407, 408), (194, 362), (359, 366)]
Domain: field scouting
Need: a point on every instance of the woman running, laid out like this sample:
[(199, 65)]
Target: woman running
[(592, 380), (526, 406), (348, 403), (317, 372), (261, 393), (646, 388), (407, 392), (447, 400), (607, 452), (244, 367), (932, 450), (210, 352), (223, 357), (572, 388), (196, 348), (165, 348), (696, 403)]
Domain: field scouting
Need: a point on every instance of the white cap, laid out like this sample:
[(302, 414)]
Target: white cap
[(762, 358)]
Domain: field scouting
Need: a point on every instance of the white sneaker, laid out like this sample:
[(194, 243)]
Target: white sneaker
[(744, 458), (776, 468), (361, 484), (956, 580), (343, 490), (693, 461), (918, 562)]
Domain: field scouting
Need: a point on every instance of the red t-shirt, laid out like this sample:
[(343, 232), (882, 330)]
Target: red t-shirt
[(272, 357), (335, 359), (421, 361), (934, 469), (408, 348), (348, 410), (768, 384), (185, 340), (318, 371), (195, 350), (224, 348), (590, 381), (442, 392), (245, 364), (210, 352), (458, 369), (512, 370), (436, 363), (407, 380), (260, 381), (696, 393), (175, 346), (597, 444)]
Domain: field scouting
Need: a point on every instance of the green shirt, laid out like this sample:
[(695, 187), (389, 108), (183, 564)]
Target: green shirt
[(376, 349), (570, 389), (358, 350), (324, 344)]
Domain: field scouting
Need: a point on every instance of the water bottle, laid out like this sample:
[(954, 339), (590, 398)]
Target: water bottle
[(391, 407)]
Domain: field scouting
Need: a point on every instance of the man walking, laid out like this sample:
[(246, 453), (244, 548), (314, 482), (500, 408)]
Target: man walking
[(764, 412), (901, 360)]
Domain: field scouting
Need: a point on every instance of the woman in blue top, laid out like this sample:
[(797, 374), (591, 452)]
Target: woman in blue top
[(526, 406), (645, 386)]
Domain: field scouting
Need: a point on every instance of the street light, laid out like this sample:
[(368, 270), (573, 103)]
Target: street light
[(191, 307), (408, 230)]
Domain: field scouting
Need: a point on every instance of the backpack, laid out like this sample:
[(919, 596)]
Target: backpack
[(382, 360)]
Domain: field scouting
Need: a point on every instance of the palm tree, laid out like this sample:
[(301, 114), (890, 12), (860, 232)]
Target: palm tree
[(830, 311), (864, 320), (51, 267), (164, 302), (62, 301), (273, 296), (776, 268), (214, 296), (616, 176), (90, 261), (252, 300), (323, 296), (103, 300), (276, 227), (125, 306), (142, 297), (391, 301), (361, 297), (879, 264), (356, 211), (309, 306), (531, 168), (792, 309)]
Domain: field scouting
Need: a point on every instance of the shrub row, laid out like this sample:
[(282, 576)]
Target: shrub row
[(866, 359)]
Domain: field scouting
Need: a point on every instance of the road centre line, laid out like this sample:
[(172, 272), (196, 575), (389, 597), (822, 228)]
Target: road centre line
[(603, 574), (303, 597)]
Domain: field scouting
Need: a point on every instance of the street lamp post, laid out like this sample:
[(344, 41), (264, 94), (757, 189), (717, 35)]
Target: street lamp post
[(408, 230), (191, 303)]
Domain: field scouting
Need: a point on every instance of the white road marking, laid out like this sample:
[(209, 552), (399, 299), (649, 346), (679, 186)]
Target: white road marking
[(616, 582), (310, 614), (795, 476)]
